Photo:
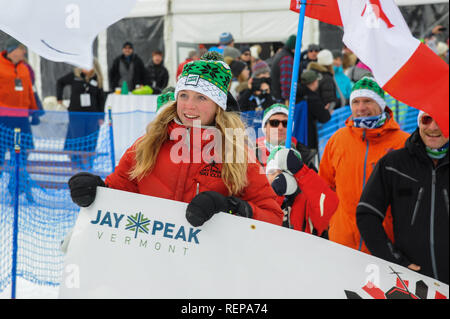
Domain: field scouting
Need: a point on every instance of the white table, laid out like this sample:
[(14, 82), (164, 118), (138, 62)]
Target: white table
[(129, 103)]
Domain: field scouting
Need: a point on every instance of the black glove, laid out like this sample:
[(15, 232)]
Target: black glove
[(83, 188), (284, 184), (206, 204), (288, 160)]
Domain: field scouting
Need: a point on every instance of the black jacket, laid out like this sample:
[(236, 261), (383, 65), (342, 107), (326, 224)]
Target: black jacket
[(80, 85), (327, 85), (417, 191), (139, 72), (158, 77), (316, 113), (248, 102)]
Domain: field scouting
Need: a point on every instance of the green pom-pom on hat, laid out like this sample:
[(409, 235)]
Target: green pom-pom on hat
[(212, 56)]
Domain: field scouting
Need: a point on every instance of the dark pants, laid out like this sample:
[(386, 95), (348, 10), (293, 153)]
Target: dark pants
[(82, 135)]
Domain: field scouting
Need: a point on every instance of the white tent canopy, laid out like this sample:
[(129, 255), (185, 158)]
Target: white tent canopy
[(188, 23)]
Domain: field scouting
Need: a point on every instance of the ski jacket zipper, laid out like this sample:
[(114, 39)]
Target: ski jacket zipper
[(416, 207)]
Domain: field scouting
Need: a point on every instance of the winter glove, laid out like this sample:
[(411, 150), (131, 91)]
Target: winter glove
[(206, 204), (83, 188), (284, 184), (287, 160)]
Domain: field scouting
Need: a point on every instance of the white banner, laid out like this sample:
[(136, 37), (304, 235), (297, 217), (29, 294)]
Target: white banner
[(61, 30), (134, 246)]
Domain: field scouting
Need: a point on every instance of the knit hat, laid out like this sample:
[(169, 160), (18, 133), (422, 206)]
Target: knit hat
[(127, 44), (208, 77), (255, 51), (441, 48), (11, 45), (368, 87), (164, 99), (313, 47), (290, 43), (260, 67), (308, 77), (237, 67), (419, 116), (274, 109), (278, 159), (231, 52), (244, 49), (325, 57), (337, 54), (226, 38)]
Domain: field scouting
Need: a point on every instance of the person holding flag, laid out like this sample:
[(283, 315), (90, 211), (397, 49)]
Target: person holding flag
[(351, 155), (306, 199), (274, 128)]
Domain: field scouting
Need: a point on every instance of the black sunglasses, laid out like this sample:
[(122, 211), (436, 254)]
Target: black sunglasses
[(426, 120), (276, 123)]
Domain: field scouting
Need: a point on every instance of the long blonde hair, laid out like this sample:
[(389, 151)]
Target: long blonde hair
[(230, 126)]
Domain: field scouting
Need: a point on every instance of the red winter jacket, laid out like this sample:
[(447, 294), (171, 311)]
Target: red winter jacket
[(314, 206), (183, 174)]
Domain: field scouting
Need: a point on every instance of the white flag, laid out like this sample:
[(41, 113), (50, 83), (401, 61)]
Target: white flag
[(61, 30)]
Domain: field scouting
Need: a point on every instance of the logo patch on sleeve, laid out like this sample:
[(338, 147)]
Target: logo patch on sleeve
[(192, 79)]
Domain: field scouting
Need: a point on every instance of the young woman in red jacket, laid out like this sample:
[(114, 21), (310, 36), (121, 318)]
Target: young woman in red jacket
[(195, 152)]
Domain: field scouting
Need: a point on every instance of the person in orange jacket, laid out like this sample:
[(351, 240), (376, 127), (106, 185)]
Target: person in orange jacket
[(351, 155), (185, 155), (16, 89), (16, 100)]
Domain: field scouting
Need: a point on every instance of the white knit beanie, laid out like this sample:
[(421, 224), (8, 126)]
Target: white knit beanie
[(325, 57)]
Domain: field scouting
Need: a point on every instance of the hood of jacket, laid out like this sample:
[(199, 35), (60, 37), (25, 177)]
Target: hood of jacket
[(318, 67)]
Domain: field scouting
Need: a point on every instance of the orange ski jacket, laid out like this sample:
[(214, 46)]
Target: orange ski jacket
[(347, 162)]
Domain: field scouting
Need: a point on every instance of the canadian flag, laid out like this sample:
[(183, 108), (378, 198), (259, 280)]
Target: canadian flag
[(379, 36)]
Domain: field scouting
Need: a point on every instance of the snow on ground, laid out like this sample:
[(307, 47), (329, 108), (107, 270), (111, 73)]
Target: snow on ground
[(28, 290)]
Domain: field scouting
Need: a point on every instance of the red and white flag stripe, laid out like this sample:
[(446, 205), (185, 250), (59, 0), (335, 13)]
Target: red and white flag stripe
[(379, 36)]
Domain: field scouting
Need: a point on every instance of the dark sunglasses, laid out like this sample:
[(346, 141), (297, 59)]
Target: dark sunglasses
[(426, 120), (276, 123), (313, 50)]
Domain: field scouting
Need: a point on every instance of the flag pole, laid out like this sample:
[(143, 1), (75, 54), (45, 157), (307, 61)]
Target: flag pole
[(295, 73)]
